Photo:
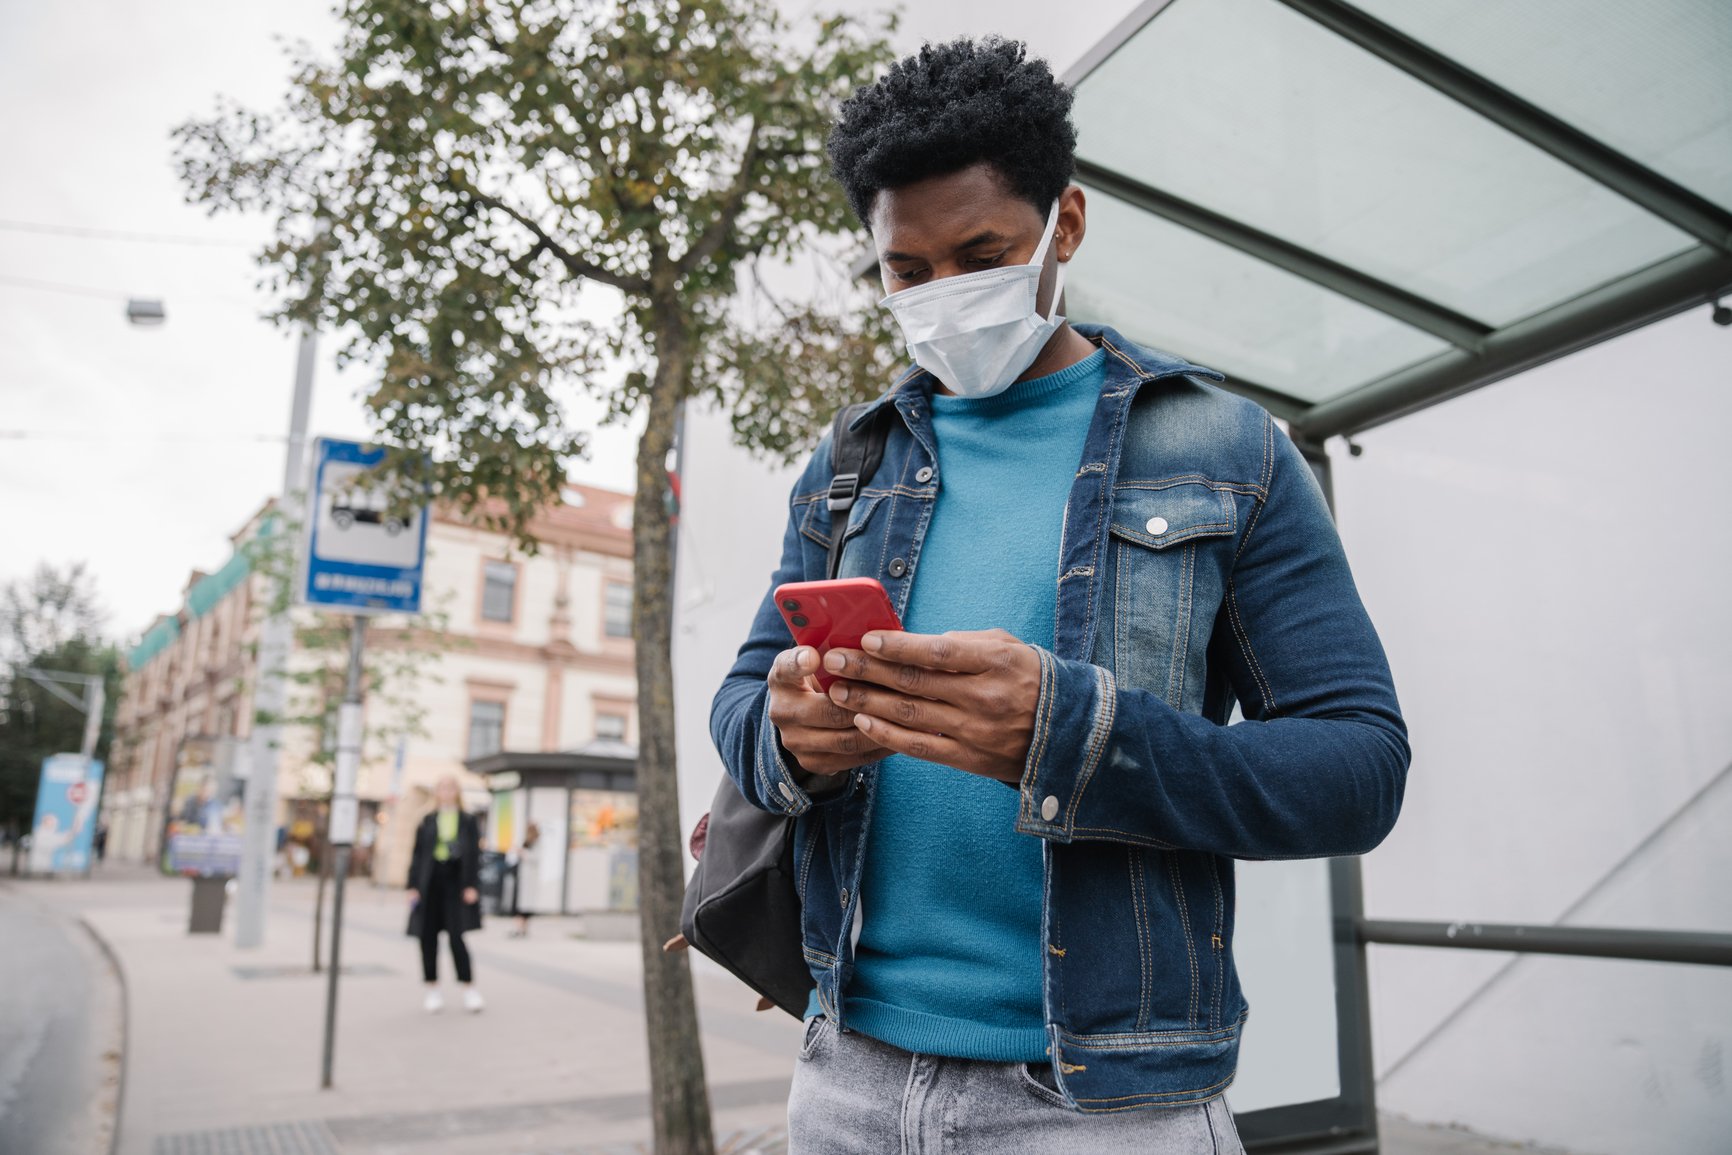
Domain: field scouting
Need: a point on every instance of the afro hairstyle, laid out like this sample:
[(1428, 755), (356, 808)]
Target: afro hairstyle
[(950, 106)]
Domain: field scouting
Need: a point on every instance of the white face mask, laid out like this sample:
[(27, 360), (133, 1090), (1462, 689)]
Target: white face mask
[(979, 332)]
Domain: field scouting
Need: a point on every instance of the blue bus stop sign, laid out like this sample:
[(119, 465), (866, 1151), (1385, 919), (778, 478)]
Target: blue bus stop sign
[(362, 556)]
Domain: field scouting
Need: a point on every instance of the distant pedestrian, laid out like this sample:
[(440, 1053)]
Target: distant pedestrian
[(99, 842), (444, 885), (526, 877)]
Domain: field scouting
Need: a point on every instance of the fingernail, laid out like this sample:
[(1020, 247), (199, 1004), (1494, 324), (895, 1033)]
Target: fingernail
[(872, 643), (804, 659), (863, 722), (834, 663)]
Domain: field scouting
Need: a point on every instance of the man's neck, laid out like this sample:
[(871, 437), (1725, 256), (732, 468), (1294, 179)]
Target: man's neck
[(1062, 350)]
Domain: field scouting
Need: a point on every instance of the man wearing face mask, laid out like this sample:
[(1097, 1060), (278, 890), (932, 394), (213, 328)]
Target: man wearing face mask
[(1017, 818)]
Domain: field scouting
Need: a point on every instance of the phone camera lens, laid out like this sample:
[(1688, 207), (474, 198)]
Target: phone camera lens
[(790, 605), (800, 621)]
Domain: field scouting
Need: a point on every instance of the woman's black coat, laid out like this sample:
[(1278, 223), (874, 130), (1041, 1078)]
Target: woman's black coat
[(467, 852)]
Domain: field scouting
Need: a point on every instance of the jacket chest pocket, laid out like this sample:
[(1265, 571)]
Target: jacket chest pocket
[(857, 559), (1169, 557)]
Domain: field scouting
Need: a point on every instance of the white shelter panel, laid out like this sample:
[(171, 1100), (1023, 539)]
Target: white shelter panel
[(1283, 945)]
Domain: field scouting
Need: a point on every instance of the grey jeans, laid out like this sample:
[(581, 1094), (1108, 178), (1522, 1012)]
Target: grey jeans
[(853, 1095)]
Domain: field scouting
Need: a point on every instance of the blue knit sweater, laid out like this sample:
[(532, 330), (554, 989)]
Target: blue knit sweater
[(949, 959)]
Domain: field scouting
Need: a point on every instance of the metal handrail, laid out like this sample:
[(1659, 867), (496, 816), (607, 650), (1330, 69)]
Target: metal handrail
[(1704, 948)]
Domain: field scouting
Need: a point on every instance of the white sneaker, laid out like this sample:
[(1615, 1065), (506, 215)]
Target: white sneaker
[(472, 1000), (434, 1002)]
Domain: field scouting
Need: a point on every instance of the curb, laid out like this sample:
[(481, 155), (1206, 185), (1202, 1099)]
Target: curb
[(108, 952)]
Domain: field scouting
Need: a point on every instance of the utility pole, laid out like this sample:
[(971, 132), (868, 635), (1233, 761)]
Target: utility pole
[(270, 683), (340, 837)]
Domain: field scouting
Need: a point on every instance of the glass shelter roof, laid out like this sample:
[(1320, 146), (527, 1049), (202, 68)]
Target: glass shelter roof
[(1357, 210)]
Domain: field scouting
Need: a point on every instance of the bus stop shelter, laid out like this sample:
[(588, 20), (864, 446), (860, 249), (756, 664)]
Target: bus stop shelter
[(1360, 210)]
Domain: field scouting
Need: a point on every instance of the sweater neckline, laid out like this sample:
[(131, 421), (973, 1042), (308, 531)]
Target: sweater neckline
[(1023, 393)]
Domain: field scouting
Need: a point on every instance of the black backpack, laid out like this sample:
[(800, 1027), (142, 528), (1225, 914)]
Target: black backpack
[(741, 908)]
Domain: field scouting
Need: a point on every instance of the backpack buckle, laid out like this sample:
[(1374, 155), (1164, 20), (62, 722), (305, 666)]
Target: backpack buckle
[(844, 487)]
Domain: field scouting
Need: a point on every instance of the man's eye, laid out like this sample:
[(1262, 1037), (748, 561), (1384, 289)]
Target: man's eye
[(907, 275), (985, 262)]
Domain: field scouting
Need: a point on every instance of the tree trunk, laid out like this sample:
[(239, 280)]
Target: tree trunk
[(679, 1099)]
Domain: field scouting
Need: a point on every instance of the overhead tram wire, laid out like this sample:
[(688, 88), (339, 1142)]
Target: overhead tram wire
[(93, 234)]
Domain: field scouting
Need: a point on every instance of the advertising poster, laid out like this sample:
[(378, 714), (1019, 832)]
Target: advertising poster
[(65, 814), (206, 816)]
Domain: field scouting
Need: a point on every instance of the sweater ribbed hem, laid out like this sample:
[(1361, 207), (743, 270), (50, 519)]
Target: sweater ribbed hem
[(927, 1034)]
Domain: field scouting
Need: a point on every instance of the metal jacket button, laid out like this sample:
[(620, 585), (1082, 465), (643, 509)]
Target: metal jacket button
[(923, 474), (786, 792), (1157, 526), (898, 567), (1049, 808)]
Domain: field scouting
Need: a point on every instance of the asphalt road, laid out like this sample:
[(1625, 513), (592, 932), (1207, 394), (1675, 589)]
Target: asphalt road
[(57, 1009)]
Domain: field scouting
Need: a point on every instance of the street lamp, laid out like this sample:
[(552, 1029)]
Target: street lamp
[(145, 312)]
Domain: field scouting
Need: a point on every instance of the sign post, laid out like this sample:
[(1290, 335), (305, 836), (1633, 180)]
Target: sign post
[(363, 556)]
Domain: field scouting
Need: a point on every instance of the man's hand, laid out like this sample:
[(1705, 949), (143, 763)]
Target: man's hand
[(414, 897), (471, 896), (820, 736), (962, 699)]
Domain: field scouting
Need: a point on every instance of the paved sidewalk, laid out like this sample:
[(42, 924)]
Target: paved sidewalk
[(224, 1040), (223, 1045)]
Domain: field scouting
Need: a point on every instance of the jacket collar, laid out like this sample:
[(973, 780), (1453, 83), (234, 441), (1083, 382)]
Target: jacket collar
[(1127, 363)]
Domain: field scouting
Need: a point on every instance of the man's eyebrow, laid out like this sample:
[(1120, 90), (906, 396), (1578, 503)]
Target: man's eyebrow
[(987, 237)]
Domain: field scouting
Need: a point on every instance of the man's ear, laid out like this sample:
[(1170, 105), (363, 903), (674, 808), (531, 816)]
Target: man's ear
[(1072, 222)]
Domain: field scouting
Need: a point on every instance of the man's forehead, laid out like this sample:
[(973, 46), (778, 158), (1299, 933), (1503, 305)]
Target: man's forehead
[(943, 211)]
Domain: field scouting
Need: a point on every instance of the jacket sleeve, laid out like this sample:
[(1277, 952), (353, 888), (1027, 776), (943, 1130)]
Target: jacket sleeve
[(418, 857), (768, 776), (1318, 766)]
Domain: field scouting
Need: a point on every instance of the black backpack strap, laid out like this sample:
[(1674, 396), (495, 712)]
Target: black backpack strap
[(854, 458)]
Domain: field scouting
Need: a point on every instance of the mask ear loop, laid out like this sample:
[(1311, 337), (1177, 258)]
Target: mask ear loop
[(1039, 258)]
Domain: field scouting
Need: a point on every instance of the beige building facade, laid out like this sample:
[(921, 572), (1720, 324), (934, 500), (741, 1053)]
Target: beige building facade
[(514, 652)]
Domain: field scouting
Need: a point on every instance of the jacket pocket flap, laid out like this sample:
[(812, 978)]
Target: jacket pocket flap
[(1176, 513), (815, 523)]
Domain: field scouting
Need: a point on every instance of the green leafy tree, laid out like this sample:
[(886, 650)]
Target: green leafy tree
[(50, 620), (464, 186)]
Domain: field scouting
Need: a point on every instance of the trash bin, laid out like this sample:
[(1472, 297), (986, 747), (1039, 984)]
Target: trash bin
[(493, 871)]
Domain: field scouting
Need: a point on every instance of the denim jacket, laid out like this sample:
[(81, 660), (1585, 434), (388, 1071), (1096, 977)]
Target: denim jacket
[(1199, 567)]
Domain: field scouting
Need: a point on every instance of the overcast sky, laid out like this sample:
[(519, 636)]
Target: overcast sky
[(144, 448)]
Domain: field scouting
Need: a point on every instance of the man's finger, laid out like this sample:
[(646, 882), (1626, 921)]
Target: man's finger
[(808, 708), (804, 740), (914, 680), (792, 667), (962, 653), (946, 751), (912, 713)]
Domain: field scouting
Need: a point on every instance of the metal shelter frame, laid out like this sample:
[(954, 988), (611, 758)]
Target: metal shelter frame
[(1479, 355)]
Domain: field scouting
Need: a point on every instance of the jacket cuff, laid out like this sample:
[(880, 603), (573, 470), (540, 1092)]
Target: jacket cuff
[(780, 775), (1073, 721)]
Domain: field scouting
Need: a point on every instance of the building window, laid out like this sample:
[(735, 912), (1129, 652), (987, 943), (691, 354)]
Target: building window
[(610, 726), (618, 617), (498, 591), (486, 728)]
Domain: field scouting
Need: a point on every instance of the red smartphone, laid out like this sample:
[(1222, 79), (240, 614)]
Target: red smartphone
[(836, 614)]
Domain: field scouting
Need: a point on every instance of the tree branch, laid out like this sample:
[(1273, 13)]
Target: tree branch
[(576, 265), (716, 235)]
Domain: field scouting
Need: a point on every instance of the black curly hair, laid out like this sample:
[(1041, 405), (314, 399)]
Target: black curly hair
[(948, 107)]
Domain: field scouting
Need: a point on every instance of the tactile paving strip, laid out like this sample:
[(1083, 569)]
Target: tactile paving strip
[(270, 1139)]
